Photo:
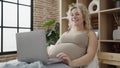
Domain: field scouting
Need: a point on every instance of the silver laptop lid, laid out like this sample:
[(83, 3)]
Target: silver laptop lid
[(31, 46)]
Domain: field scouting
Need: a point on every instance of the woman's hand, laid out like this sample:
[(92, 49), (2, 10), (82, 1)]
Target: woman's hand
[(65, 58)]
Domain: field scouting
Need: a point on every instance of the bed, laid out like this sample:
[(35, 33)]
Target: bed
[(37, 64)]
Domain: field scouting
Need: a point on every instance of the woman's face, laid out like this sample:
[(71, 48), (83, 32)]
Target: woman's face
[(76, 17)]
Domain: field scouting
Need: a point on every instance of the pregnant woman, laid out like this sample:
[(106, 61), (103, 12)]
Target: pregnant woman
[(77, 46)]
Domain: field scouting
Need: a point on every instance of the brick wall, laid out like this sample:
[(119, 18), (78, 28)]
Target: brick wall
[(43, 10)]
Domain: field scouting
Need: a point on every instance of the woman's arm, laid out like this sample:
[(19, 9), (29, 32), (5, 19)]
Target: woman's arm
[(91, 51)]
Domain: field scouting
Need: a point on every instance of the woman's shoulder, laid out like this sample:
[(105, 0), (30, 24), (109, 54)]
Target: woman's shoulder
[(92, 33)]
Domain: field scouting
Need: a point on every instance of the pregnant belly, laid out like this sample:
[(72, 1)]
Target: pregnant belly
[(74, 51)]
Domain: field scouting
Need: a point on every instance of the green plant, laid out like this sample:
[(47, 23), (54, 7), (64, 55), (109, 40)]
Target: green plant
[(52, 32), (117, 19)]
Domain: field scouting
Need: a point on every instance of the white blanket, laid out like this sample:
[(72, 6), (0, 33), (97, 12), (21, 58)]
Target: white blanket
[(18, 64)]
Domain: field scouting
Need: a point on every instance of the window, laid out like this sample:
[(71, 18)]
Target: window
[(9, 14), (15, 1), (15, 17)]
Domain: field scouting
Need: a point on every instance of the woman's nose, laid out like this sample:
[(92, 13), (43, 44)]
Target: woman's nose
[(74, 16)]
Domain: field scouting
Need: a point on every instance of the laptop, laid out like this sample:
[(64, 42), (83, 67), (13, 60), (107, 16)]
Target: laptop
[(31, 47)]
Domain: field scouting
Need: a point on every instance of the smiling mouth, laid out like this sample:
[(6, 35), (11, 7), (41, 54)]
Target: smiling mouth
[(75, 20)]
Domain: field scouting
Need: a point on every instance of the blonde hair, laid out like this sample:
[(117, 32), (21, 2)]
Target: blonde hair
[(85, 14)]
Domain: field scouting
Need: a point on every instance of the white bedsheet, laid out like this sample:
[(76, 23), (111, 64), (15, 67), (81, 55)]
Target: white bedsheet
[(37, 64), (18, 64)]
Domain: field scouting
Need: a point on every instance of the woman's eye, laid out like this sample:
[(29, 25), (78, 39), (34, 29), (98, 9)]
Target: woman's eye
[(75, 14)]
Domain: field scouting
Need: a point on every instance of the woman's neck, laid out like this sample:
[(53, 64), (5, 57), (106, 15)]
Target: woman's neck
[(78, 28)]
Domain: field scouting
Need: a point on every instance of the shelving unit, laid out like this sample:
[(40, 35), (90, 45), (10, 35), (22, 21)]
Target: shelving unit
[(102, 21), (107, 54)]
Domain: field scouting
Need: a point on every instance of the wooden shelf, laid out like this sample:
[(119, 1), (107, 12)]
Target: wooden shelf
[(109, 40), (64, 6), (63, 25), (64, 17), (109, 58), (110, 10), (94, 14)]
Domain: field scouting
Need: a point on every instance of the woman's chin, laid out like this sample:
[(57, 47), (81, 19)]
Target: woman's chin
[(75, 23)]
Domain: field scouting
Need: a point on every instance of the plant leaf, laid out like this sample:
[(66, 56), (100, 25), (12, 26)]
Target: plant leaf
[(48, 23)]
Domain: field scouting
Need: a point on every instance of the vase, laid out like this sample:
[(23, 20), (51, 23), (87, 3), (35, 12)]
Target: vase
[(117, 4), (93, 3), (116, 34)]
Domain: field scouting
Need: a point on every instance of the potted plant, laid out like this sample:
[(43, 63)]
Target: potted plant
[(117, 18), (52, 32), (117, 3)]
